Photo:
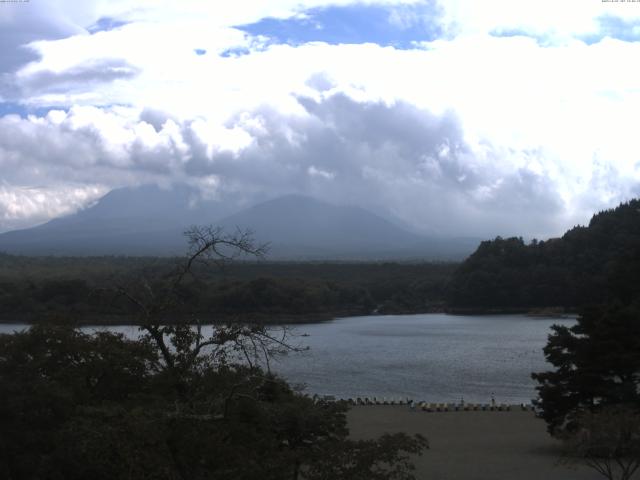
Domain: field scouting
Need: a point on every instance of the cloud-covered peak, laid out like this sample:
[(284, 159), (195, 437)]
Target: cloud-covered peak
[(396, 158), (465, 117)]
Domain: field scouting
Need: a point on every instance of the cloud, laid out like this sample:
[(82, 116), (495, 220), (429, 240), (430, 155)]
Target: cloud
[(24, 22), (392, 158), (554, 22), (85, 76), (84, 144), (18, 29), (105, 24), (22, 207), (611, 26), (504, 117)]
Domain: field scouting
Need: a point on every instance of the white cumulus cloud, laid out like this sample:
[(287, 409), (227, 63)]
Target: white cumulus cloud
[(472, 133)]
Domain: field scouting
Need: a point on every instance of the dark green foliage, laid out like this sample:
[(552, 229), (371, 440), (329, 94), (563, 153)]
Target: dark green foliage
[(78, 406), (46, 374), (82, 289), (597, 364), (588, 265), (176, 403)]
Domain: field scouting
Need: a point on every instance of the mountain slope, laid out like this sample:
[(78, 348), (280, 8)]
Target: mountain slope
[(150, 221), (307, 224), (131, 221), (303, 228)]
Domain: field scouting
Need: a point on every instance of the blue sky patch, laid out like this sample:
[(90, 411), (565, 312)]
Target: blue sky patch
[(398, 26), (614, 27), (105, 24), (609, 26), (9, 108), (200, 51), (13, 108), (235, 52)]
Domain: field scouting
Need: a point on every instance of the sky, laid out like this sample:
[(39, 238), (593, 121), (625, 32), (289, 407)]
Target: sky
[(460, 117)]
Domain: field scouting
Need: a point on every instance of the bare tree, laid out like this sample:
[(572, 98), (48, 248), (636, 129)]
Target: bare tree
[(607, 441), (183, 345)]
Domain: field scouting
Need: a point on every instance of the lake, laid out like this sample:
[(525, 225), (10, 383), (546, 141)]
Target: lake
[(432, 357)]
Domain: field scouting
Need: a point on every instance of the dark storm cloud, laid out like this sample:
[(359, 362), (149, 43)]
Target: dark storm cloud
[(395, 158), (391, 158)]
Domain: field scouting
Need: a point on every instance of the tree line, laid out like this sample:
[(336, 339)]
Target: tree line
[(83, 290), (591, 397), (587, 265)]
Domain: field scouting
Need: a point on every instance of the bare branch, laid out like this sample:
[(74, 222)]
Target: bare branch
[(182, 346)]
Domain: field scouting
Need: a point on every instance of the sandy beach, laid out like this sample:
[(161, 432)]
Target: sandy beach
[(473, 445)]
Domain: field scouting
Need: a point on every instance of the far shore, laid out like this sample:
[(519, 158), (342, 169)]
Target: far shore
[(131, 320), (473, 445), (94, 320)]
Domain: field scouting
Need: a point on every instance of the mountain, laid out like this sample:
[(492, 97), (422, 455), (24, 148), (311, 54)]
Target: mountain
[(299, 227), (150, 221), (145, 220), (587, 265)]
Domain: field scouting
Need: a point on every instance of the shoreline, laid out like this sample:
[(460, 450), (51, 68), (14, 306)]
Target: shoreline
[(131, 320), (93, 320), (433, 406)]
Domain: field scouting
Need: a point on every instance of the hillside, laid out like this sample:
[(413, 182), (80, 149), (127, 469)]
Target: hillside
[(145, 220), (150, 221), (303, 228), (592, 264)]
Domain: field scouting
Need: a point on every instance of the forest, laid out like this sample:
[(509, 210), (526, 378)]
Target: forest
[(84, 290), (587, 265)]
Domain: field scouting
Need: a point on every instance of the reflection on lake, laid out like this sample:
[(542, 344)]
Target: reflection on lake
[(433, 357)]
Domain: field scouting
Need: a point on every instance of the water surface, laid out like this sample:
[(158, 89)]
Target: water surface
[(432, 357)]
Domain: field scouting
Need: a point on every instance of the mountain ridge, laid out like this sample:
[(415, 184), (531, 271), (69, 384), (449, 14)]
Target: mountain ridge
[(150, 221)]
